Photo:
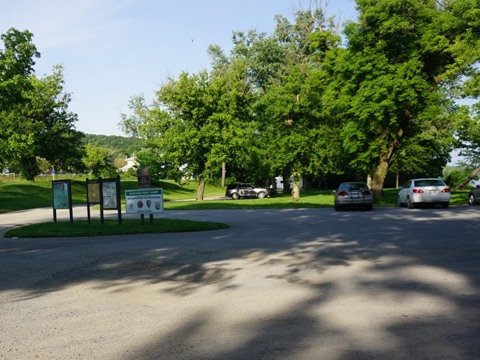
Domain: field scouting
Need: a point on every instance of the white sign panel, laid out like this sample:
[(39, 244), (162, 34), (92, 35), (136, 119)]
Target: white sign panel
[(144, 201)]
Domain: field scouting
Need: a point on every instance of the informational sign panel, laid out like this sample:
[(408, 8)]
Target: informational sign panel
[(109, 192), (105, 192), (61, 199), (93, 189), (144, 201)]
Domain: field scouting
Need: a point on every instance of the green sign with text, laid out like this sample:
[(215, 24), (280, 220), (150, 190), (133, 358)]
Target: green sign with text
[(144, 201)]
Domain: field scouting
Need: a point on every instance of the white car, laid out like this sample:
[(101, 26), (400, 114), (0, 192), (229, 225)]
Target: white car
[(245, 190), (425, 191)]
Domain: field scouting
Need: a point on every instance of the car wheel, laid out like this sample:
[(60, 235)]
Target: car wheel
[(235, 196), (261, 195), (445, 205), (399, 203), (471, 199), (409, 203)]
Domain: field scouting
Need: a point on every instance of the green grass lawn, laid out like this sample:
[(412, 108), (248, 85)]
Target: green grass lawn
[(18, 194), (111, 227)]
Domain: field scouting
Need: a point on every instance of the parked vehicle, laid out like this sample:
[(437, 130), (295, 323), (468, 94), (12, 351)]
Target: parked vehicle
[(245, 190), (424, 191), (353, 194), (474, 196)]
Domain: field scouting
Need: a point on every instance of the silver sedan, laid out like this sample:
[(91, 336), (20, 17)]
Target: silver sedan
[(353, 194), (424, 191)]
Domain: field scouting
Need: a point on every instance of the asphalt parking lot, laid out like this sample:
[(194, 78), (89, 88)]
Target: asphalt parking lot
[(392, 283)]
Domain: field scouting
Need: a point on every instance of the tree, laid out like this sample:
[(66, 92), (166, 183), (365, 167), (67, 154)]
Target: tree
[(16, 68), (299, 137), (181, 125), (468, 139), (396, 79), (468, 134), (35, 121), (126, 146), (100, 161), (190, 131), (52, 125), (236, 120)]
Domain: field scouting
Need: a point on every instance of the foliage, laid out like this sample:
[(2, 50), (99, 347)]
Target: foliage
[(35, 120), (100, 161), (398, 74), (468, 134), (187, 139), (124, 146), (456, 176), (159, 168), (297, 103)]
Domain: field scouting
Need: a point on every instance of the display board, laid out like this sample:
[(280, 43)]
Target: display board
[(144, 201), (105, 192), (62, 197)]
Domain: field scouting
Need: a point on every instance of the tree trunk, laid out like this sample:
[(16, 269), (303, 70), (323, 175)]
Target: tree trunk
[(369, 181), (472, 175), (295, 191), (286, 181), (379, 178), (296, 186), (224, 173), (201, 189), (381, 170)]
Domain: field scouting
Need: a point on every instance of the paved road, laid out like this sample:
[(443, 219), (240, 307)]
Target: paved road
[(279, 284)]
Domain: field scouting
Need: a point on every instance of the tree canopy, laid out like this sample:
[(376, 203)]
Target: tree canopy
[(124, 146), (403, 62), (35, 122), (298, 102)]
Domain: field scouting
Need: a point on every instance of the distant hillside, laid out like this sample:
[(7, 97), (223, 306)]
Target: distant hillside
[(126, 146)]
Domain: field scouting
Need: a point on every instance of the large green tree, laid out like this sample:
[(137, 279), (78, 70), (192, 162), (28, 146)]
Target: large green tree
[(392, 87), (34, 118), (285, 72), (199, 124), (182, 125), (236, 119), (100, 160), (303, 138)]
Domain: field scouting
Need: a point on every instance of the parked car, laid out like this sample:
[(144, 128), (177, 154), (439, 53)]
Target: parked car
[(474, 196), (425, 191), (353, 194), (246, 190)]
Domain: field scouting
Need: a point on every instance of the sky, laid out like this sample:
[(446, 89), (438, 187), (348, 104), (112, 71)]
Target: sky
[(112, 50)]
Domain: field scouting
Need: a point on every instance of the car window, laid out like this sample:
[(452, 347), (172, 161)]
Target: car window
[(429, 182), (353, 187)]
